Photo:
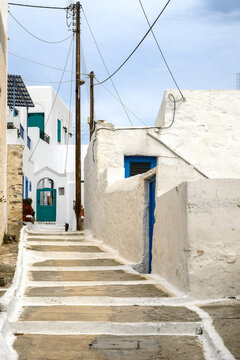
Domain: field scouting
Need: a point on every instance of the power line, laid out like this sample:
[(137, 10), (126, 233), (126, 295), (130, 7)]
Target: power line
[(137, 117), (137, 45), (160, 50), (38, 63), (39, 6), (47, 82), (36, 37), (104, 63), (54, 98)]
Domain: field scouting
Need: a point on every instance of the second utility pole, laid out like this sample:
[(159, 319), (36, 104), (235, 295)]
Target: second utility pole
[(78, 122)]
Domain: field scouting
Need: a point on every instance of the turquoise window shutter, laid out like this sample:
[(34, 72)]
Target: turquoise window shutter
[(59, 131)]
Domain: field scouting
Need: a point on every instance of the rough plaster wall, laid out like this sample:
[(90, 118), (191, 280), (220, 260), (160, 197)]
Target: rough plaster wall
[(206, 130), (3, 115), (123, 215), (14, 186), (214, 233), (169, 249), (172, 171)]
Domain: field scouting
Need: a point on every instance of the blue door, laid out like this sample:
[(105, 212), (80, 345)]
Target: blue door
[(46, 204), (152, 188), (26, 187)]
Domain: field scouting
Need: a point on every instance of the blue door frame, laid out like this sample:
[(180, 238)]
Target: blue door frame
[(152, 160), (46, 204), (152, 188)]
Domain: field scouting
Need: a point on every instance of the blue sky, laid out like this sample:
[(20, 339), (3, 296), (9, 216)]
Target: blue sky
[(199, 38)]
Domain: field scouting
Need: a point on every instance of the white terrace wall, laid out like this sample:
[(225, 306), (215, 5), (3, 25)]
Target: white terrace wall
[(196, 237), (3, 117)]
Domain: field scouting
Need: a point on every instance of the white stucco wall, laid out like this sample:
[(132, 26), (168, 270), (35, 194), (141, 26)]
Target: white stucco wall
[(196, 237), (214, 237), (123, 207), (206, 130), (170, 237), (115, 207)]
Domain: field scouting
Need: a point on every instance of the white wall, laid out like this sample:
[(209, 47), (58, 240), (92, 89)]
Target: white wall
[(213, 237), (196, 237), (105, 155), (170, 237), (206, 130)]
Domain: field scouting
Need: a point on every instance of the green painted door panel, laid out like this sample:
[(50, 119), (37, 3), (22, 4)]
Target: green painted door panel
[(46, 204), (36, 120)]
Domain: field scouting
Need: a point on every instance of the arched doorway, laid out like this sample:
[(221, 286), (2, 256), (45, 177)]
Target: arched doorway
[(46, 200)]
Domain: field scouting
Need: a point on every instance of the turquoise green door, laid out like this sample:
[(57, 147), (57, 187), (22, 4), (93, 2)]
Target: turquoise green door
[(37, 120), (46, 204)]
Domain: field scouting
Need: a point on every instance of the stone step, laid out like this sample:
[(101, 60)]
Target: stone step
[(140, 290), (108, 313), (110, 328), (101, 275), (72, 248), (83, 262), (104, 347)]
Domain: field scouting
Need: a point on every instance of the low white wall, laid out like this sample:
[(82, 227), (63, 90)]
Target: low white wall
[(123, 218), (214, 237), (196, 243), (169, 248)]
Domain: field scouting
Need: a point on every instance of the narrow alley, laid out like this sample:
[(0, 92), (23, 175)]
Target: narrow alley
[(78, 300)]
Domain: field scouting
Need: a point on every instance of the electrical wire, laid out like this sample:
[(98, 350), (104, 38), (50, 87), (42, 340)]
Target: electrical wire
[(104, 63), (160, 50), (54, 98), (136, 116), (36, 37), (47, 82), (35, 62), (39, 6), (171, 98), (140, 42)]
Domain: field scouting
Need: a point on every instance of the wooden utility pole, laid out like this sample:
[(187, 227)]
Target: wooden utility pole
[(91, 123), (78, 121)]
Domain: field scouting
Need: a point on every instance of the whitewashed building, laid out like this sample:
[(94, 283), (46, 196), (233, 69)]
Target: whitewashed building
[(168, 197), (50, 130), (45, 132)]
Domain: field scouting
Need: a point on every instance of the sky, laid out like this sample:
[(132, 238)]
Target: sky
[(199, 39)]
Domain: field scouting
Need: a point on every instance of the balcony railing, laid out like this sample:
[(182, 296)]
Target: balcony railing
[(28, 142), (44, 137), (21, 131)]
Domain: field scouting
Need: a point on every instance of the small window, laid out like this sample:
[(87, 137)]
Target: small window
[(61, 191), (135, 165), (30, 186), (59, 131)]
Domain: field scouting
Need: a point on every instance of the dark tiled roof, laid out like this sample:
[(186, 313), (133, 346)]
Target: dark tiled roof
[(18, 90)]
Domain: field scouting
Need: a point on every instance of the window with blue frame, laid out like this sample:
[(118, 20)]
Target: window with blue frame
[(135, 165), (30, 186)]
